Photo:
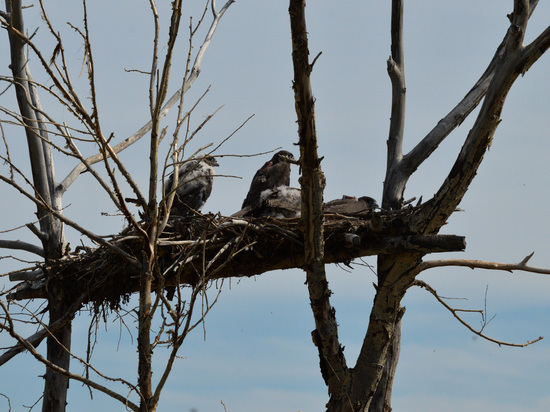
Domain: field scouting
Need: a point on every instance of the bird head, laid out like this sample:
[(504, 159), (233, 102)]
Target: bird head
[(210, 161), (371, 203), (284, 156)]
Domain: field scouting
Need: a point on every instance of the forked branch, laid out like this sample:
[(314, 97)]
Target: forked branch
[(455, 312), (457, 115), (516, 59), (399, 170)]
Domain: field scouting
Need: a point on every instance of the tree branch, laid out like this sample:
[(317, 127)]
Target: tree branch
[(27, 275), (514, 61), (20, 245), (481, 264), (334, 370), (179, 336), (400, 174), (456, 116), (393, 192), (537, 48), (424, 285), (39, 336), (43, 206)]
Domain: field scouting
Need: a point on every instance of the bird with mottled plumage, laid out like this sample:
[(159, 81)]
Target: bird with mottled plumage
[(349, 205), (280, 202), (272, 174), (195, 179)]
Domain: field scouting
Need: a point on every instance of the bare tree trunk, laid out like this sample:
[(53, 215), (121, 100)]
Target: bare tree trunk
[(145, 372), (395, 273), (382, 398), (51, 229), (334, 370), (58, 348), (146, 310)]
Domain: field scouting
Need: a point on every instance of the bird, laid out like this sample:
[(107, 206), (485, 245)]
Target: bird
[(272, 174), (280, 202), (351, 205), (195, 178)]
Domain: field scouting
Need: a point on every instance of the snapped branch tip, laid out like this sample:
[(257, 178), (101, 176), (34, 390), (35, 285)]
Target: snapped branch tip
[(527, 258)]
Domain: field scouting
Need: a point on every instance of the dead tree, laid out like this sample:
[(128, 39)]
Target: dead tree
[(46, 192), (367, 386)]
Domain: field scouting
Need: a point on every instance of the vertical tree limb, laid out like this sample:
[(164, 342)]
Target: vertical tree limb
[(176, 97), (42, 172), (379, 355), (335, 372), (393, 191), (146, 308)]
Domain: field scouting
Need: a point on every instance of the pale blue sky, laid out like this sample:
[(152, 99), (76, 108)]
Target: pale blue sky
[(258, 353)]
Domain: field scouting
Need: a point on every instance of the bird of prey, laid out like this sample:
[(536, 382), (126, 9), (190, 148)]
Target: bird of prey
[(195, 178), (280, 202), (350, 205), (272, 174)]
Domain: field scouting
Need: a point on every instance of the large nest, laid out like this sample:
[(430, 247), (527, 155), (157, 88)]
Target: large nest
[(209, 247)]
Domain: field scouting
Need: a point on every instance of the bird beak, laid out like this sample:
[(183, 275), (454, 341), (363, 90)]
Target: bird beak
[(291, 160)]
